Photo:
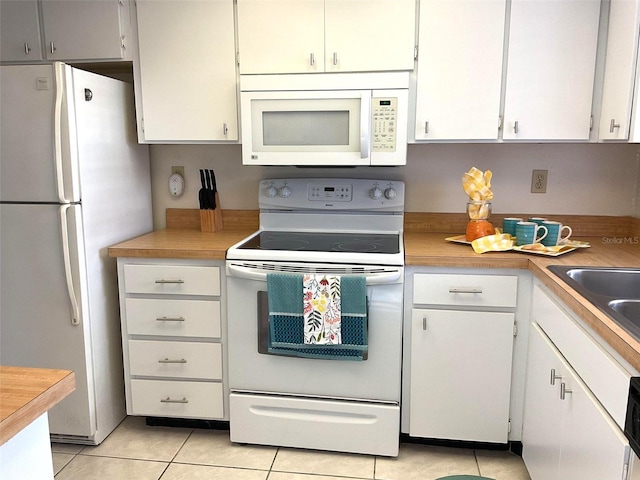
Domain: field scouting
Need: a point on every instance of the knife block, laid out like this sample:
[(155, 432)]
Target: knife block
[(211, 220)]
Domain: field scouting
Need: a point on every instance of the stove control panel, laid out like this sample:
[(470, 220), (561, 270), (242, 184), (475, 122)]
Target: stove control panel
[(337, 193), (331, 194)]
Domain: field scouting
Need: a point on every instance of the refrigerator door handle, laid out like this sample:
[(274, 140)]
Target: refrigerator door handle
[(73, 299), (57, 131)]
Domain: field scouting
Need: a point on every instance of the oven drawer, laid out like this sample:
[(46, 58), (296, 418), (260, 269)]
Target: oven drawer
[(176, 318), (163, 398), (315, 423), (172, 279), (175, 359), (461, 290)]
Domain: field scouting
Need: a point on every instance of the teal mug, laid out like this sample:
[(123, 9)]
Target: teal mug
[(537, 220), (529, 232), (509, 225), (554, 233)]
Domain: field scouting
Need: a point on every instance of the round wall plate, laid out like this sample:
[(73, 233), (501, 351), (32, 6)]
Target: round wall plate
[(176, 185)]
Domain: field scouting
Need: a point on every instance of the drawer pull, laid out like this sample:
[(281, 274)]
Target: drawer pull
[(166, 360), (465, 290), (173, 400), (162, 280), (170, 319)]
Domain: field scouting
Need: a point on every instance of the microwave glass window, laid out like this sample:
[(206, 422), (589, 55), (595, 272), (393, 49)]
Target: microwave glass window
[(281, 128)]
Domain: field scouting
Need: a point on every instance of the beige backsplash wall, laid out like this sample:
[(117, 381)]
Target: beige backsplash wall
[(588, 179)]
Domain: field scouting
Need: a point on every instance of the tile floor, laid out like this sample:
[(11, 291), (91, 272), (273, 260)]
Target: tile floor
[(135, 451)]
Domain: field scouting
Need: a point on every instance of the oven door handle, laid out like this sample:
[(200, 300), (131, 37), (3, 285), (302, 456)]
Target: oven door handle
[(392, 276)]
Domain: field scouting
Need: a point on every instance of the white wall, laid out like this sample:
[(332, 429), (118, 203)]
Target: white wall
[(588, 179)]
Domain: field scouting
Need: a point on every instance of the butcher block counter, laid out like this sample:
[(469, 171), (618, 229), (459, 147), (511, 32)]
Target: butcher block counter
[(26, 394), (615, 242)]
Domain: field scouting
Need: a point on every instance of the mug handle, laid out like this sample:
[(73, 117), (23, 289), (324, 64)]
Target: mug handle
[(568, 234), (539, 239)]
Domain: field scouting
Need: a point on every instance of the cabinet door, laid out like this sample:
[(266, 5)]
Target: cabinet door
[(458, 87), (76, 29), (460, 374), (593, 446), (187, 70), (19, 31), (619, 70), (551, 68), (543, 414), (281, 36), (369, 36)]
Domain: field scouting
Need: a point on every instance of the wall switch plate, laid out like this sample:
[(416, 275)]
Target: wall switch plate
[(539, 181)]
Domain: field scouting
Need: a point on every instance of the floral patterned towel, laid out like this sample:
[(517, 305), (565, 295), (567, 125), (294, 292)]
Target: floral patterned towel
[(322, 310)]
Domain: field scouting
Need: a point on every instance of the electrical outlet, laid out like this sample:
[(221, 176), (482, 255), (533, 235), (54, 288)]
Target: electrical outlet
[(539, 181), (179, 170)]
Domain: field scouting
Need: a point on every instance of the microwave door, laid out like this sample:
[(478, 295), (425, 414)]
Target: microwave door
[(306, 128)]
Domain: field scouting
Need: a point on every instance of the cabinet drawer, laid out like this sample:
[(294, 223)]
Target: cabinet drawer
[(177, 399), (184, 318), (472, 290), (175, 359), (172, 279)]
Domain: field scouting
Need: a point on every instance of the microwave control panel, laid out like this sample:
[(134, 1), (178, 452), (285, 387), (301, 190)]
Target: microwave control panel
[(384, 116)]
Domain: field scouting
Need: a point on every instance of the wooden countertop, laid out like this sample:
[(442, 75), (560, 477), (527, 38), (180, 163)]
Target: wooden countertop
[(27, 393), (617, 248)]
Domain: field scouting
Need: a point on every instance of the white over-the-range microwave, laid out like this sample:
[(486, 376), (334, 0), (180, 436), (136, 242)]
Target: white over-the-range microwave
[(341, 119)]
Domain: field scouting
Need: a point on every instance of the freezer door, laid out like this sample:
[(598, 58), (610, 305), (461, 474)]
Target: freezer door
[(36, 317), (38, 154)]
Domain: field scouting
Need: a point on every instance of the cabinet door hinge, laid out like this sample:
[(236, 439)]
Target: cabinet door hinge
[(591, 123), (415, 52), (142, 124), (515, 329), (509, 426), (499, 122)]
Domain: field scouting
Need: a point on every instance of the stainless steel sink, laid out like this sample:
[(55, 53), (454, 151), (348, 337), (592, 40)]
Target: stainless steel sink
[(614, 291)]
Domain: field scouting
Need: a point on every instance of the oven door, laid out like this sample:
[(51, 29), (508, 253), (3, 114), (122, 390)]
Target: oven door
[(377, 379)]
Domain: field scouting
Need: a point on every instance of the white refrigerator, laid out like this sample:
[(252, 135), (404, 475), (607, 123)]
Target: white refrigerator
[(73, 181)]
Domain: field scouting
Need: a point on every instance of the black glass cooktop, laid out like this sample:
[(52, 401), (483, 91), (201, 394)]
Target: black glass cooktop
[(324, 242)]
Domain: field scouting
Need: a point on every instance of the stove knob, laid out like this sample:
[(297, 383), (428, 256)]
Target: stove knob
[(285, 191), (375, 193), (272, 191), (390, 193)]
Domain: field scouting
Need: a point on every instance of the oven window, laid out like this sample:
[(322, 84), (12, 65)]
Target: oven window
[(281, 128)]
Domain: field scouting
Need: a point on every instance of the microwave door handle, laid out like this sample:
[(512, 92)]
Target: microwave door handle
[(365, 124)]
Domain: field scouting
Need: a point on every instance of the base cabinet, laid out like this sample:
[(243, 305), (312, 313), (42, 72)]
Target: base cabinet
[(461, 374), (459, 350), (173, 333), (568, 433)]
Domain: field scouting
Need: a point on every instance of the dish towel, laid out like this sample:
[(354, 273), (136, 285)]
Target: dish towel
[(321, 309), (286, 319)]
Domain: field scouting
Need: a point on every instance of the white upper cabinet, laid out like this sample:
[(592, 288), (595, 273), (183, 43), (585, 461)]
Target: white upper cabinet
[(459, 78), (290, 36), (619, 73), (72, 30), (551, 68), (19, 31), (369, 35), (77, 30), (281, 36), (186, 74)]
